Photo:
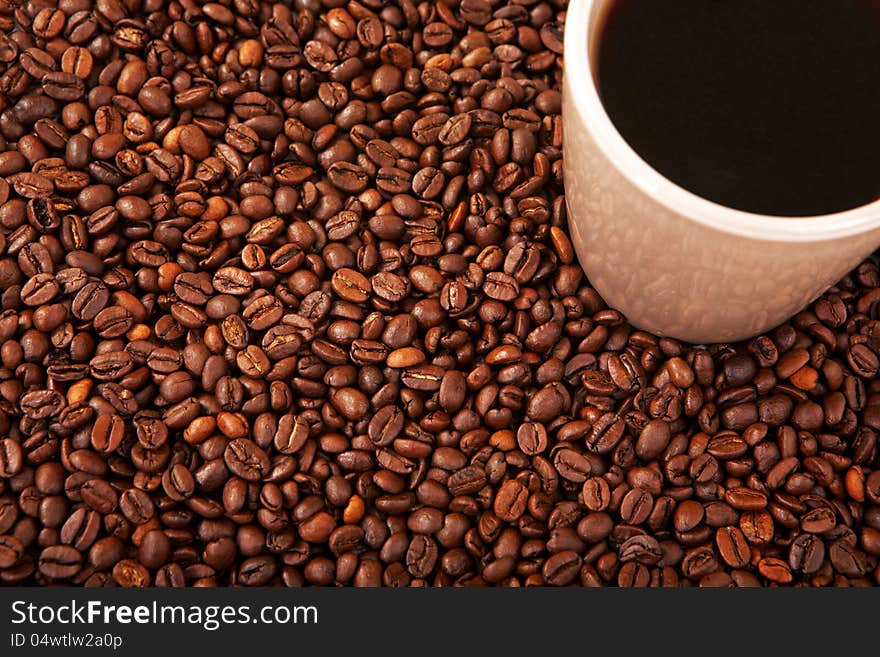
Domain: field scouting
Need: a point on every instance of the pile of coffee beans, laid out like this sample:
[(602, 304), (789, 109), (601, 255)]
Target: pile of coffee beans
[(288, 298)]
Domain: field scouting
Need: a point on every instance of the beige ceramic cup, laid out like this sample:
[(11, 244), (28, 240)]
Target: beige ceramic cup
[(672, 262)]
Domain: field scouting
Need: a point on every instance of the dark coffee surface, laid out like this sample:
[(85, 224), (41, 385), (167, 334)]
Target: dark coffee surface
[(768, 106)]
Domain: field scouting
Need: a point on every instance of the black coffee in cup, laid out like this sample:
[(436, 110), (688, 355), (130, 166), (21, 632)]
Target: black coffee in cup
[(768, 106)]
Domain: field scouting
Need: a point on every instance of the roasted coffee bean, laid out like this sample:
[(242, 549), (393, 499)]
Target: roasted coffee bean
[(246, 459), (389, 286), (699, 562), (291, 434), (90, 300), (531, 438), (351, 285), (232, 280), (60, 561), (99, 495), (510, 501), (561, 568), (596, 494), (11, 550), (757, 526), (733, 547), (572, 466), (386, 425), (107, 432), (11, 458), (641, 548), (130, 573), (806, 554), (136, 505), (39, 290)]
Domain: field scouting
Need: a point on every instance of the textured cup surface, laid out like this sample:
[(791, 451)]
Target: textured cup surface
[(674, 263)]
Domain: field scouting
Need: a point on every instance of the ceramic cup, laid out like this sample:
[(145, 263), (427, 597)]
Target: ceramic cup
[(674, 263)]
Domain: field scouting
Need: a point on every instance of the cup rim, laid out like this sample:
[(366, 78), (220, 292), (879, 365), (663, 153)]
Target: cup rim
[(580, 81)]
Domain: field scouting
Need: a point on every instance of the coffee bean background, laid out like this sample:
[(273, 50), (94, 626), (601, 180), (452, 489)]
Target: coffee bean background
[(288, 298)]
